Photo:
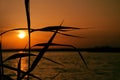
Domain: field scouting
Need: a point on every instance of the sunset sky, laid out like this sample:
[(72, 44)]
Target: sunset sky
[(102, 17)]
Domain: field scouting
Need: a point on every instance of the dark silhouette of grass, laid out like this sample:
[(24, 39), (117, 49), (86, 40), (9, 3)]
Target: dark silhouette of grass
[(66, 45), (41, 53), (27, 7), (54, 29)]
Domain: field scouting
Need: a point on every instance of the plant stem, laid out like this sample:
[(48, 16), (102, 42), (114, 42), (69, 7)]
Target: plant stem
[(27, 6)]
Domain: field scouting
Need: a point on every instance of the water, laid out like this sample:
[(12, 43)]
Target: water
[(103, 66)]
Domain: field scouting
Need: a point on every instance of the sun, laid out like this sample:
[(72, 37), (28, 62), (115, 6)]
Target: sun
[(21, 34)]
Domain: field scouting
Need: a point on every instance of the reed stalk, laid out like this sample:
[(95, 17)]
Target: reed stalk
[(27, 7)]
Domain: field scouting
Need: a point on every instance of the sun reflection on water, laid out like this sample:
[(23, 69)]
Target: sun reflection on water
[(24, 63)]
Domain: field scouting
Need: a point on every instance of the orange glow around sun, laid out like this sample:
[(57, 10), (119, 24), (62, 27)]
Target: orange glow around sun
[(21, 34)]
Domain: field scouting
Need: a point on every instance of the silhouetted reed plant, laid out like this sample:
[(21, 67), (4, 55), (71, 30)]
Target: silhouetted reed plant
[(20, 73)]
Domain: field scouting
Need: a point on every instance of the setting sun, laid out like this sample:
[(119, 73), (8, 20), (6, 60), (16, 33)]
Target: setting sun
[(21, 34)]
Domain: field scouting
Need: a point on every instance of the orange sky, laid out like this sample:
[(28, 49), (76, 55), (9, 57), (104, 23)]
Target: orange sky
[(102, 15)]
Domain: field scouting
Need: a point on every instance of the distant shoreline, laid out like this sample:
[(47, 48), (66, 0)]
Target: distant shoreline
[(68, 49)]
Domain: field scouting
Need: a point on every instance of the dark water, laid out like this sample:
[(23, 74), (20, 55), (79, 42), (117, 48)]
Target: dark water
[(103, 66)]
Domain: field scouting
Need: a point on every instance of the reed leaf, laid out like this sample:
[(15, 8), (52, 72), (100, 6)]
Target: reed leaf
[(13, 30), (18, 55), (34, 30), (15, 56), (70, 35), (62, 28), (53, 28), (55, 44), (49, 28)]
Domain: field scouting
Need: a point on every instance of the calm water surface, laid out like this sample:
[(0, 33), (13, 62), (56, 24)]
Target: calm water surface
[(103, 66)]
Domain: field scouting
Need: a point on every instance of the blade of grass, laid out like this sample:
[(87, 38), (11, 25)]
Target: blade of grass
[(24, 54), (70, 35), (27, 7), (55, 44), (52, 28), (15, 56), (13, 30)]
